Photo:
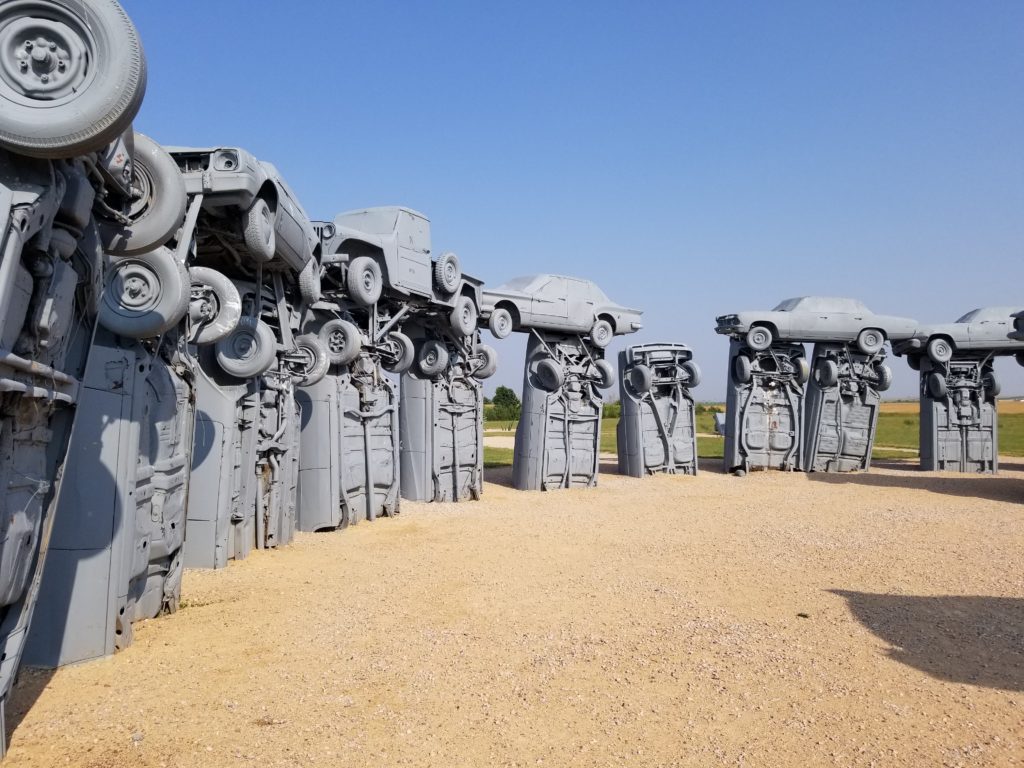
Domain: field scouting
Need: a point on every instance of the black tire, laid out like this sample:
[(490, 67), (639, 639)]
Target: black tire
[(605, 374), (914, 361), (803, 369), (95, 70), (826, 373), (870, 341), (248, 351), (342, 340), (364, 281), (501, 324), (991, 384), (937, 386), (145, 295), (464, 316), (433, 357), (939, 350), (159, 208), (742, 369), (641, 378), (601, 334), (315, 361), (258, 231), (309, 282), (214, 305), (693, 370), (550, 375), (759, 338), (447, 273), (488, 362), (402, 355), (884, 373)]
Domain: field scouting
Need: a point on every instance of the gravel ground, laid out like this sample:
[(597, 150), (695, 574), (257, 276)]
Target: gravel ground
[(775, 620)]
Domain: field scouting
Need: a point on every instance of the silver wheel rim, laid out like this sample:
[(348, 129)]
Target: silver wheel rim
[(44, 59), (134, 289)]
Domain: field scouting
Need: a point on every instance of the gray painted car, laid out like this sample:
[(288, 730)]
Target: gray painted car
[(247, 205), (1017, 334), (557, 303), (816, 318), (981, 330)]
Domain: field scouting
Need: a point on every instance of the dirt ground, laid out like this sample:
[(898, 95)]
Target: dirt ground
[(775, 620)]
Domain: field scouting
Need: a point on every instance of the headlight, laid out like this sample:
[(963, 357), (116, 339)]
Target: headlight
[(225, 161)]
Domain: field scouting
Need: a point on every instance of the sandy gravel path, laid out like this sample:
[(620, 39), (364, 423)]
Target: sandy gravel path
[(777, 620)]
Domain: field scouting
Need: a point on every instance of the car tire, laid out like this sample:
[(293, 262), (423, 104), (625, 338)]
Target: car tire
[(145, 295), (402, 355), (447, 273), (550, 375), (826, 373), (693, 370), (214, 305), (990, 384), (937, 386), (99, 89), (464, 316), (489, 362), (742, 369), (158, 212), (248, 351), (870, 341), (342, 340), (884, 373), (309, 282), (316, 362), (433, 358), (258, 231), (759, 338), (803, 369), (364, 281), (501, 323), (601, 334), (605, 374), (914, 361), (641, 378), (940, 350)]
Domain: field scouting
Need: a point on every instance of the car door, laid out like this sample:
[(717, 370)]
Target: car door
[(581, 307), (549, 304), (982, 331)]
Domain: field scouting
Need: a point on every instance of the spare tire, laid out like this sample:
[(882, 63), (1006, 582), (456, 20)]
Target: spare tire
[(342, 340), (488, 364), (214, 304), (433, 357), (145, 295), (80, 83), (447, 273), (248, 351)]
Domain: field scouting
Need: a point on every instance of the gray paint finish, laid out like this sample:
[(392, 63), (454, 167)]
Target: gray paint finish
[(959, 424), (657, 430)]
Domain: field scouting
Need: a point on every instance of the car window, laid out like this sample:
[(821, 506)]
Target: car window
[(554, 288)]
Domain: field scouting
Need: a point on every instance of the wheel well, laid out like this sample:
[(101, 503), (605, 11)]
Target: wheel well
[(609, 319), (770, 326), (356, 248), (885, 336), (945, 338), (268, 192), (512, 310)]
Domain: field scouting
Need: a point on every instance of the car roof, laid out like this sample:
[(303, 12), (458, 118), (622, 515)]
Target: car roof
[(989, 313), (821, 304)]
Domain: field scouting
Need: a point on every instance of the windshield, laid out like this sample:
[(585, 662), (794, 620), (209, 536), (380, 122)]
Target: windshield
[(523, 283)]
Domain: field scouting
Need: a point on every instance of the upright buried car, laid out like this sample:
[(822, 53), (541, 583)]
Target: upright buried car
[(557, 303), (817, 318)]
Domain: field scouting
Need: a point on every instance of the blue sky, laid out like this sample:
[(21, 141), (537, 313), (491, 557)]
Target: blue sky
[(693, 159)]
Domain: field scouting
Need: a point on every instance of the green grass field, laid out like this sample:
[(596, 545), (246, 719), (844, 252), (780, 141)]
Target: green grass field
[(896, 430)]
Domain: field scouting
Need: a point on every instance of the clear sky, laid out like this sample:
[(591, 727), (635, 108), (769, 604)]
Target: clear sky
[(691, 158)]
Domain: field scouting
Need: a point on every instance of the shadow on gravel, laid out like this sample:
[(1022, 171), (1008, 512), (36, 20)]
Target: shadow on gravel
[(499, 475), (961, 639), (974, 486)]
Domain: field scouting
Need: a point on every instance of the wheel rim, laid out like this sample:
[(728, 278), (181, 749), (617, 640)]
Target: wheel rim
[(135, 288), (308, 360), (467, 316), (602, 333), (871, 340), (44, 57), (142, 183), (244, 344), (336, 342), (759, 337), (368, 280), (430, 358), (449, 272), (203, 306), (504, 323)]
